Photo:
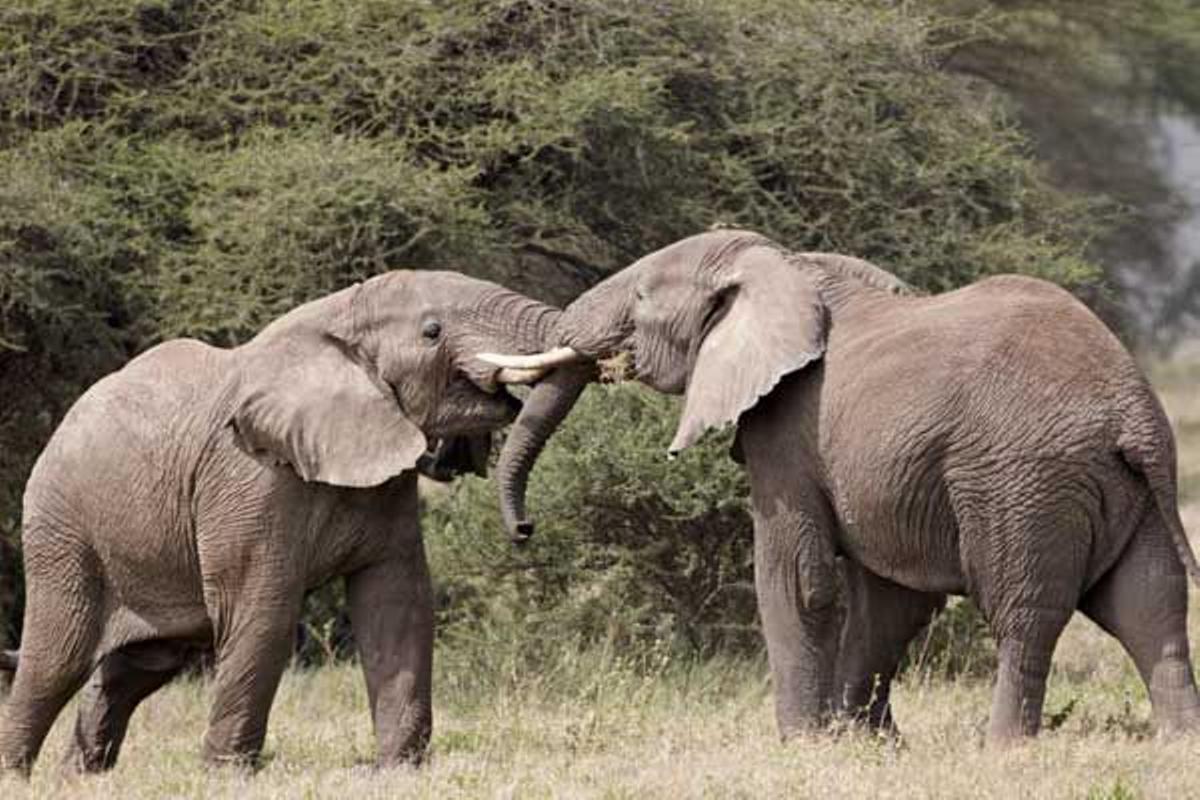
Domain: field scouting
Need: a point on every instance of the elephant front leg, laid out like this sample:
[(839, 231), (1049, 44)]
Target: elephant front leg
[(797, 586), (255, 613), (391, 610), (254, 646)]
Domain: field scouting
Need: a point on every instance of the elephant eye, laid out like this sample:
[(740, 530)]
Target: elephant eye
[(431, 330)]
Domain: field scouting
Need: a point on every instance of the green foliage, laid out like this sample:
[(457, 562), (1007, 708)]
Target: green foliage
[(632, 552), (1097, 85), (957, 643), (178, 168), (285, 218), (1119, 789)]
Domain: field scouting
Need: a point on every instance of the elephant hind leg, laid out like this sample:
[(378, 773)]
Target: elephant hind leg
[(1142, 602), (1024, 664), (61, 632), (123, 679), (1026, 554), (882, 617)]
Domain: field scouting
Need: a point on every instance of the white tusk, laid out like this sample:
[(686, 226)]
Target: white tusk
[(510, 375), (547, 360)]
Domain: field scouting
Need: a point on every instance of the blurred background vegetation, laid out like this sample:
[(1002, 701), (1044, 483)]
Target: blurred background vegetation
[(176, 167)]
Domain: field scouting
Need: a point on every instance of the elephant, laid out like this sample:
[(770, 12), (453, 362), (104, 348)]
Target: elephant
[(996, 441), (187, 502)]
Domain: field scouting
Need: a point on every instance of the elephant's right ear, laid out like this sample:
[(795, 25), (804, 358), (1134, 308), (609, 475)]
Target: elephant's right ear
[(312, 403), (771, 321)]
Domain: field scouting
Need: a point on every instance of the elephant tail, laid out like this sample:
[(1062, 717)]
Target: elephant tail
[(8, 660), (1168, 507), (1147, 446)]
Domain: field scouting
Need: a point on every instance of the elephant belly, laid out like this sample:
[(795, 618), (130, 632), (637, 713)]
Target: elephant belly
[(124, 550), (907, 536)]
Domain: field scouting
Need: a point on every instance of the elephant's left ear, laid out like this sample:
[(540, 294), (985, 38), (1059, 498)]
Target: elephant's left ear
[(771, 321), (312, 403)]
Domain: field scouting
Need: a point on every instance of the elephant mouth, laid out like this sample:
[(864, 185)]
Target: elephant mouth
[(620, 366), (486, 407), (510, 400)]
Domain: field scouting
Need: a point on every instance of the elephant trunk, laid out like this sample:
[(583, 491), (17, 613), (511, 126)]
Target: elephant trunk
[(547, 405), (596, 325)]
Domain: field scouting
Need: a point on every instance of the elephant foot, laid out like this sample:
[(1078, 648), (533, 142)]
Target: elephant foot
[(16, 758), (853, 726), (410, 761), (409, 748), (1004, 743), (1179, 719), (807, 729), (17, 772), (224, 760)]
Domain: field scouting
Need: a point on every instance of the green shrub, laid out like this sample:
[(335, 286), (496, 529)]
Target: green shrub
[(957, 643), (285, 218), (631, 551)]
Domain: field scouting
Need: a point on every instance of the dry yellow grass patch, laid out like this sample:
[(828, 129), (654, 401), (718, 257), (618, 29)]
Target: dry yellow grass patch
[(707, 733)]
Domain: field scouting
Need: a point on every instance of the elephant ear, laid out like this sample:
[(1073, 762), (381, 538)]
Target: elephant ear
[(315, 405), (772, 322)]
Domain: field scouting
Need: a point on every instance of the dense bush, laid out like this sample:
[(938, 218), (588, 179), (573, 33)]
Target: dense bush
[(172, 168), (630, 550)]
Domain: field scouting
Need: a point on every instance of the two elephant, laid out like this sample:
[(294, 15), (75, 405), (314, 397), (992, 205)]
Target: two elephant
[(996, 441)]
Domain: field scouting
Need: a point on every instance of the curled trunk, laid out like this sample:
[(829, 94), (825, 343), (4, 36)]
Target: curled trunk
[(547, 405), (596, 325)]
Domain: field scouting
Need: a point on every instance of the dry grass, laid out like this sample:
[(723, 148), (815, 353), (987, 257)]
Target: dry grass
[(599, 729), (707, 733)]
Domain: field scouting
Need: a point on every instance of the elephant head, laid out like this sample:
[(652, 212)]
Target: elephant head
[(350, 389), (719, 317)]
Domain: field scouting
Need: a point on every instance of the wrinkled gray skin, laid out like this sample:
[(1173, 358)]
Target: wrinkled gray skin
[(189, 500), (996, 441)]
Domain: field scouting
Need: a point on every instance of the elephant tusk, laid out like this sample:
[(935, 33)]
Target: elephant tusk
[(512, 375), (543, 361)]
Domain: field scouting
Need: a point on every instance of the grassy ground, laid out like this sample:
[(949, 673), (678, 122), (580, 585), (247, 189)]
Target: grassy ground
[(595, 727), (707, 732)]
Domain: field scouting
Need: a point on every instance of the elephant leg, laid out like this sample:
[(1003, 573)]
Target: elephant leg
[(1025, 552), (796, 582), (391, 611), (123, 679), (882, 617), (1024, 664), (252, 649), (57, 646), (1027, 586), (1142, 601)]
